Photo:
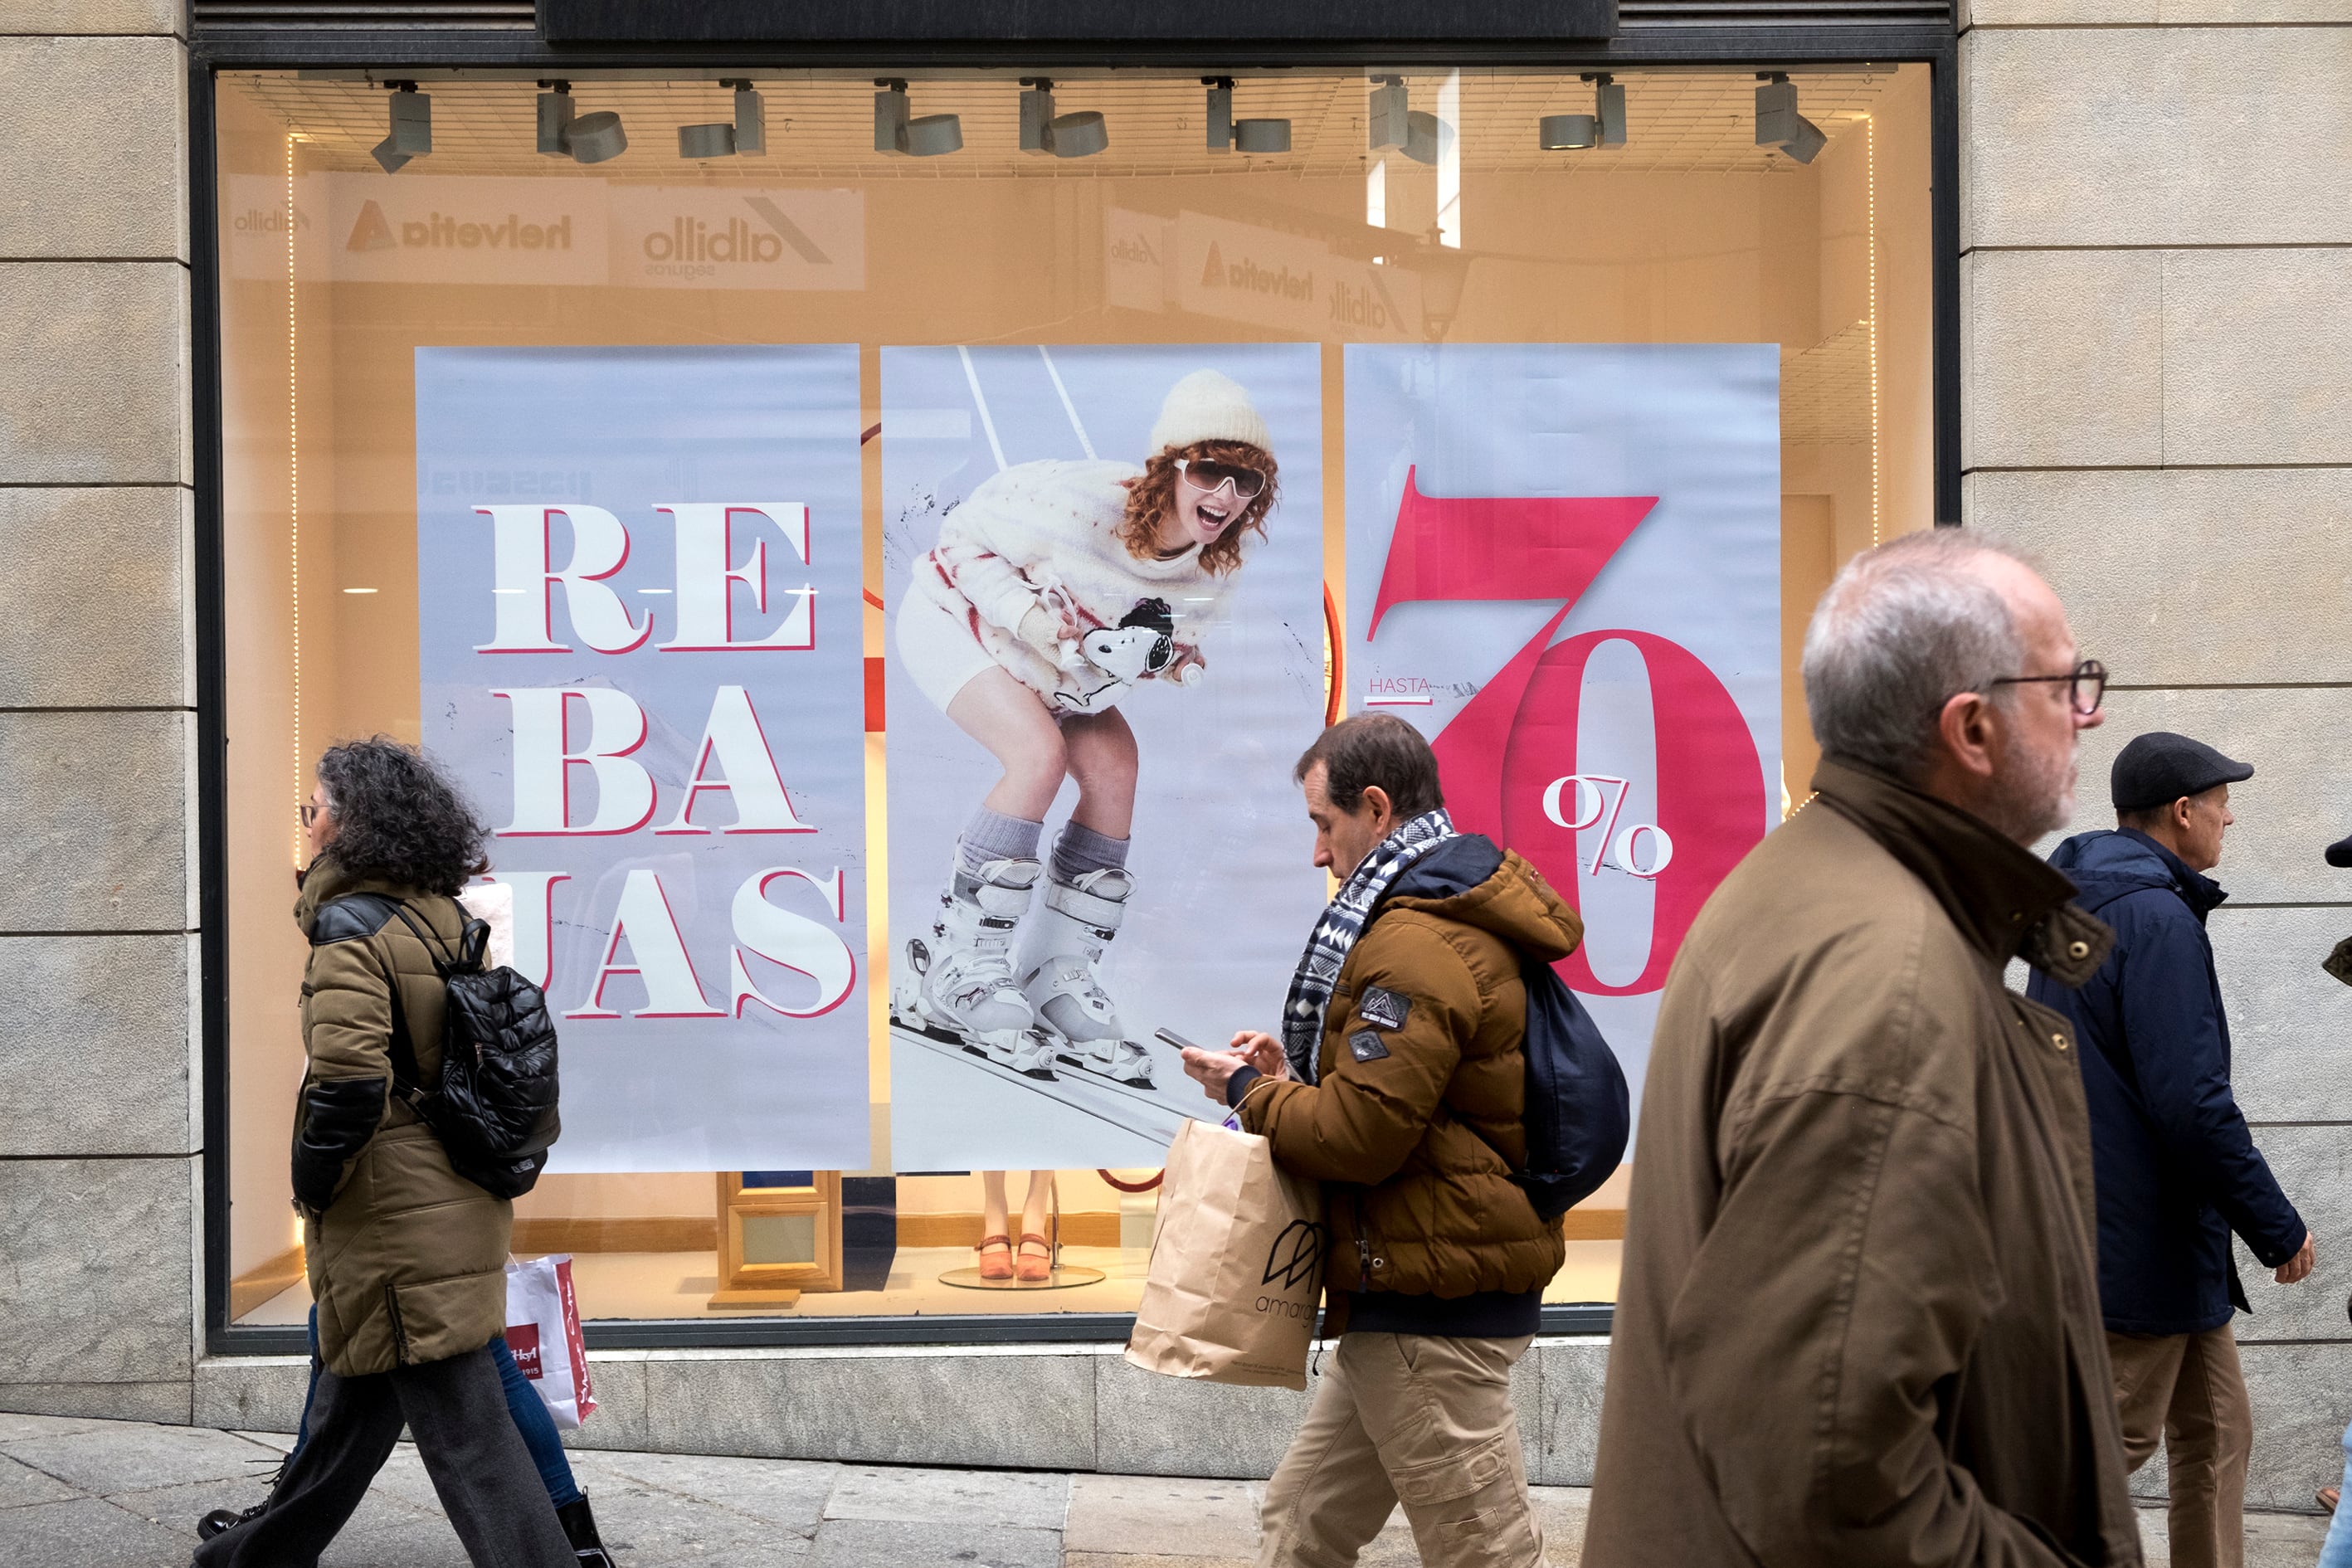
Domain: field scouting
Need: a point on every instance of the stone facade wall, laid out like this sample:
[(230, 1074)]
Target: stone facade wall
[(99, 1084), (2157, 287)]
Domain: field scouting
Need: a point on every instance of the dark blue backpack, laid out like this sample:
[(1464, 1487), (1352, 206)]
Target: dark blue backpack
[(1579, 1116)]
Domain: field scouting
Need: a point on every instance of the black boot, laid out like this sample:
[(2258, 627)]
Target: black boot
[(580, 1528), (225, 1518)]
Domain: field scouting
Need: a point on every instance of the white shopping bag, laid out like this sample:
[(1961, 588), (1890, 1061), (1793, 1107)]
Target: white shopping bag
[(543, 1331)]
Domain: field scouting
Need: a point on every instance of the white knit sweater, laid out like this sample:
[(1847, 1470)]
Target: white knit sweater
[(1045, 533)]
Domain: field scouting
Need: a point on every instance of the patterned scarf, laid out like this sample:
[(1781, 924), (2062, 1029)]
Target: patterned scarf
[(1342, 922)]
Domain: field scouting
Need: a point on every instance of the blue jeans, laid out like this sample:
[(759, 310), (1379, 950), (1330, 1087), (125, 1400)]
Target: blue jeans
[(2338, 1552), (523, 1403)]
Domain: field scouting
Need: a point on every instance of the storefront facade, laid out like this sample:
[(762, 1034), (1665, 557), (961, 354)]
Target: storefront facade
[(699, 340)]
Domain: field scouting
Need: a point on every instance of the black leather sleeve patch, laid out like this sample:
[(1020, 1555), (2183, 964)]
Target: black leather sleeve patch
[(340, 1115), (1384, 1010), (350, 918), (1365, 1045)]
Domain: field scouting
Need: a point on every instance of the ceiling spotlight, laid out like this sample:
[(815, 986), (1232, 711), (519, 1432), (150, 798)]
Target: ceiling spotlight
[(411, 127), (1609, 108), (1079, 135), (555, 119), (899, 132), (588, 138), (1422, 134), (594, 137), (706, 141), (1262, 135), (1384, 114), (1225, 132), (1604, 127), (1568, 133), (750, 117), (1076, 135), (1778, 124)]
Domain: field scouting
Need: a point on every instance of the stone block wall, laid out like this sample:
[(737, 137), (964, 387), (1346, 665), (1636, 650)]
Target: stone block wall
[(99, 1125), (2157, 239)]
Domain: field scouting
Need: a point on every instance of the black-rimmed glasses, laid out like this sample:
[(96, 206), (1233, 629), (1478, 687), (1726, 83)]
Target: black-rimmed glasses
[(309, 812), (2087, 684)]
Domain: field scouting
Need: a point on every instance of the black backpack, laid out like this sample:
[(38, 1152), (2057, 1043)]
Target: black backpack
[(495, 1107), (1579, 1115)]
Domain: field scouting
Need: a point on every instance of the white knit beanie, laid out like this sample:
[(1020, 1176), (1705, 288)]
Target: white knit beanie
[(1209, 406)]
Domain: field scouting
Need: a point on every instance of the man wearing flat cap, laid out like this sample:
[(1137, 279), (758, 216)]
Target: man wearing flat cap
[(2177, 1170)]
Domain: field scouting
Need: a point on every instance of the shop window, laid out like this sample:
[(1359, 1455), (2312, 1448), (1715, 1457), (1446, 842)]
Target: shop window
[(649, 469)]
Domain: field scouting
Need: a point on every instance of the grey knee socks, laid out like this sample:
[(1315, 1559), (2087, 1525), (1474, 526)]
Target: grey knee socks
[(1079, 849), (993, 835)]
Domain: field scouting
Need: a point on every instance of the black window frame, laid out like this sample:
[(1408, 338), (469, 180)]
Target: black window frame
[(260, 38)]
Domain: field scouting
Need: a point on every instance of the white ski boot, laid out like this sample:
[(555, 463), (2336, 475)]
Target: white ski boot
[(1060, 956), (967, 987)]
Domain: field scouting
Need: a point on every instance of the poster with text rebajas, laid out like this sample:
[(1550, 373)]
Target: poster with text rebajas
[(638, 574), (1564, 568)]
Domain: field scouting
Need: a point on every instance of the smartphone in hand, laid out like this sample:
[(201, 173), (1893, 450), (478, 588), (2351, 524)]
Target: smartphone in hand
[(1171, 1038)]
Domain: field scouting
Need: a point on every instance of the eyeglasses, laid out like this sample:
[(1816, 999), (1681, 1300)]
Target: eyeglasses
[(309, 812), (1248, 483), (2087, 684)]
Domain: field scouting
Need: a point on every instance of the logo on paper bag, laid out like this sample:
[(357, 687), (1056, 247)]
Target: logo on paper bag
[(523, 1340), (1296, 1257)]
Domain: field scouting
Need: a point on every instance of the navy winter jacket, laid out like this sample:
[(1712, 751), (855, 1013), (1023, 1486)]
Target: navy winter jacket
[(2177, 1169)]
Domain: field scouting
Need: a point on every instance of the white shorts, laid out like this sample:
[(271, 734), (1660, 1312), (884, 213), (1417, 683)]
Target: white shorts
[(937, 647)]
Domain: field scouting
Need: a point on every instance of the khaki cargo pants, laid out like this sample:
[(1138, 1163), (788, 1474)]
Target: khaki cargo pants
[(1414, 1419)]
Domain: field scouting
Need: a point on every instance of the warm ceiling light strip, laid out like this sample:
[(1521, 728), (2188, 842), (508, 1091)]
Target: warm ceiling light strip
[(293, 506), (1870, 157)]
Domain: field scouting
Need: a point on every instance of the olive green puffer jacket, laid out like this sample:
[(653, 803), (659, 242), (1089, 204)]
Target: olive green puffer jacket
[(406, 1258)]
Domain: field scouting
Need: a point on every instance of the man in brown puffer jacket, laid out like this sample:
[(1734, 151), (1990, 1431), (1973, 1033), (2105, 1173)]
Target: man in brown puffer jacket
[(1403, 1091)]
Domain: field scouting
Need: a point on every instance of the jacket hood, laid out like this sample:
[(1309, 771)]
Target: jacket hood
[(2109, 863), (1471, 879)]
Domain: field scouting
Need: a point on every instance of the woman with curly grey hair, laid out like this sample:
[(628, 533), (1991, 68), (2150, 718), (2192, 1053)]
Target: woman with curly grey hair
[(406, 1258)]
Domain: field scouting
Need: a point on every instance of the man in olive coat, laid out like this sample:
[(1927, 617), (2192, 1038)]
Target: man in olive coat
[(1859, 1317)]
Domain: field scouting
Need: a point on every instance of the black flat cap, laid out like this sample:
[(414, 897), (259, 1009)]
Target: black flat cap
[(2340, 852), (2159, 767)]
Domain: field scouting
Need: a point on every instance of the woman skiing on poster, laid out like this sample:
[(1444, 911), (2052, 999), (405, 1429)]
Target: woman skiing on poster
[(1053, 588)]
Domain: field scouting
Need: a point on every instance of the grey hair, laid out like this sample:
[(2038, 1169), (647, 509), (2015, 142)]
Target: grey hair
[(1903, 628)]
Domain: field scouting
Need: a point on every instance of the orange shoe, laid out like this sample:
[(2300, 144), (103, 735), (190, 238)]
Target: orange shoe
[(996, 1257), (1038, 1269)]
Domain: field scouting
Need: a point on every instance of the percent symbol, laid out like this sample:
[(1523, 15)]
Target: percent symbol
[(1592, 787)]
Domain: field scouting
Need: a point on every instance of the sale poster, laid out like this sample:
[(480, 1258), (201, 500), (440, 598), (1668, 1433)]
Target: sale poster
[(1082, 634), (1563, 568), (638, 575)]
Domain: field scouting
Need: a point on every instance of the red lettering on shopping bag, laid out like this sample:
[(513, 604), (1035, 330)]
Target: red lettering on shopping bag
[(522, 1338)]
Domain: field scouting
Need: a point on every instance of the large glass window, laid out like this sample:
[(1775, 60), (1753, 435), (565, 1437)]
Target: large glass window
[(683, 469)]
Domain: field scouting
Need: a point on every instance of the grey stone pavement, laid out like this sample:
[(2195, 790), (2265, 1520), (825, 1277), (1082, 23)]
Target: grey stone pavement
[(127, 1494)]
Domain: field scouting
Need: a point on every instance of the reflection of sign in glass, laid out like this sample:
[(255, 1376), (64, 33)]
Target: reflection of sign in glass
[(696, 236)]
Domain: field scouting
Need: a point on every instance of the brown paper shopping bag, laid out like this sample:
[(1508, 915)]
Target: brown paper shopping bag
[(1237, 1265)]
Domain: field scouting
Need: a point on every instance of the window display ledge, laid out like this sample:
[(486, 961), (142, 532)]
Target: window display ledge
[(1017, 1406)]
